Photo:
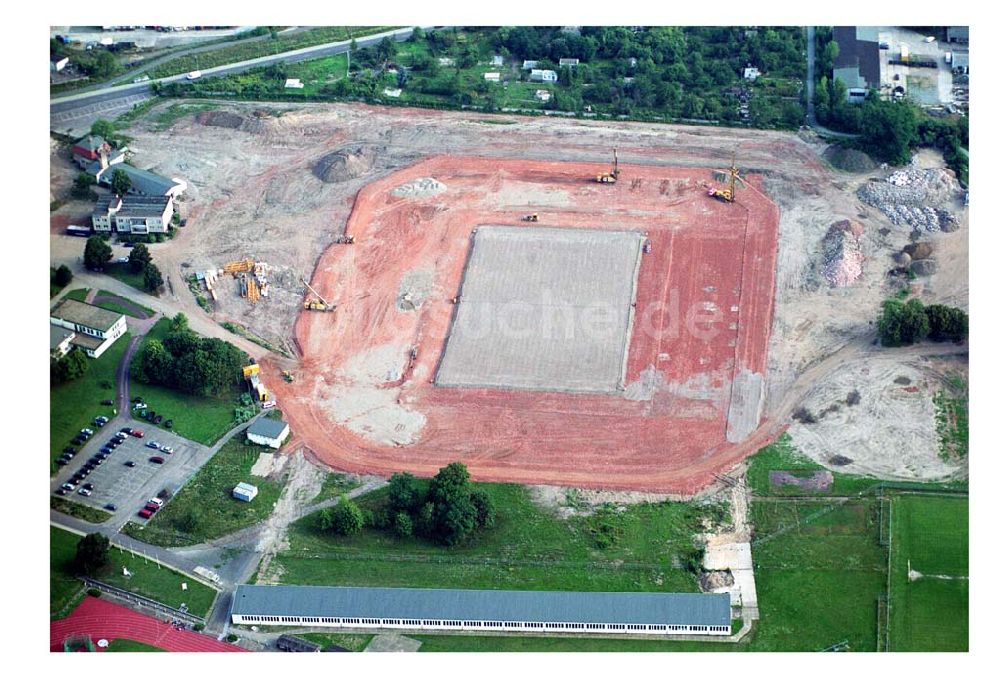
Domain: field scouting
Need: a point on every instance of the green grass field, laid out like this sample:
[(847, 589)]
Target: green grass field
[(201, 419), (335, 484), (75, 404), (166, 117), (205, 509), (84, 512), (352, 642), (122, 308), (130, 646), (531, 548), (122, 273), (79, 294), (148, 579), (930, 534)]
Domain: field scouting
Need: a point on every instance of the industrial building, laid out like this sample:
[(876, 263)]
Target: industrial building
[(138, 214), (95, 328), (268, 431), (625, 613)]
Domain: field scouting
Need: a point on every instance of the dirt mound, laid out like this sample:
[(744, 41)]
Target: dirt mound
[(842, 257), (919, 250), (713, 580), (220, 118), (344, 165), (915, 197), (849, 160)]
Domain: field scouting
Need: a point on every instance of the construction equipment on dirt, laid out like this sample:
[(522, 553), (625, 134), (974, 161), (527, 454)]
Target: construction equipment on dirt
[(731, 176), (531, 218), (316, 302), (288, 376), (345, 239), (612, 176), (236, 267)]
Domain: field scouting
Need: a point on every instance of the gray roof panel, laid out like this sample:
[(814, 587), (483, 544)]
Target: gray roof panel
[(267, 427), (484, 605)]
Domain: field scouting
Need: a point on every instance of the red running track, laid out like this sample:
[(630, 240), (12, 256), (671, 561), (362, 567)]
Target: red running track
[(100, 619)]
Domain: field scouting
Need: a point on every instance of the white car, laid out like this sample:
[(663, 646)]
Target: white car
[(122, 259), (167, 450), (156, 501), (141, 79), (194, 75)]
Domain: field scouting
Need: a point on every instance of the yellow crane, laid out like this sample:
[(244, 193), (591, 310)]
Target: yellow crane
[(316, 302), (612, 176), (731, 176)]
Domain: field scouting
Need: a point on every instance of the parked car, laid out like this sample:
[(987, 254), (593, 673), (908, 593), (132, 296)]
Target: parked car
[(69, 487), (137, 433), (78, 440), (158, 502), (152, 507), (88, 485), (85, 492), (194, 75), (111, 506), (60, 492), (130, 464), (62, 461), (152, 445), (86, 431), (137, 399), (108, 403), (127, 431), (145, 514), (69, 450), (84, 471), (156, 459), (167, 450), (97, 460), (121, 436)]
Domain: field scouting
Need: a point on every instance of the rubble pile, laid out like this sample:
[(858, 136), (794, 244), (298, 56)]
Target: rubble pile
[(902, 197), (843, 262)]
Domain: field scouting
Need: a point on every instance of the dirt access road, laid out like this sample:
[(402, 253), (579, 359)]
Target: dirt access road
[(255, 190)]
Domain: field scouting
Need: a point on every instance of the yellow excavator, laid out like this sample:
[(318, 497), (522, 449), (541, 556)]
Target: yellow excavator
[(731, 177), (612, 176)]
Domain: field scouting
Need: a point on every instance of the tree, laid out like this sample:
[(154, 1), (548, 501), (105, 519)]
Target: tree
[(947, 323), (402, 525), (139, 258), (344, 519), (404, 494), (120, 182), (82, 186), (179, 322), (486, 514), (902, 323), (454, 512), (888, 129), (152, 280), (63, 275), (96, 253), (91, 554), (105, 64), (154, 364), (69, 368)]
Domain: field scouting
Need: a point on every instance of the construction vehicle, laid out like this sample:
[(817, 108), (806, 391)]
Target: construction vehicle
[(532, 218), (612, 176), (316, 302), (288, 376), (731, 176), (345, 239)]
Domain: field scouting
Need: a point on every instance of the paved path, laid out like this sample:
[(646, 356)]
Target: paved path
[(100, 619)]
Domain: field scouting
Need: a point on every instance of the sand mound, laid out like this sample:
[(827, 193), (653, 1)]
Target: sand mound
[(344, 165), (425, 187), (842, 257), (849, 160)]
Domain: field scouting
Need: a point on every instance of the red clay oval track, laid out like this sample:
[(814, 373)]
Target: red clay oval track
[(707, 257)]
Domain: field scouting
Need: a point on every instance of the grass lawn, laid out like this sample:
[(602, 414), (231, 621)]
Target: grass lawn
[(205, 509), (147, 579), (335, 484), (952, 417), (930, 534), (77, 294), (201, 419), (63, 586), (171, 114), (352, 642), (75, 404), (531, 548), (782, 455), (75, 509), (130, 646), (122, 273)]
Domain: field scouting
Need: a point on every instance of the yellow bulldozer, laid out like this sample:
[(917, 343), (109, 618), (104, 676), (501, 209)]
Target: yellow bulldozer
[(612, 176), (315, 301)]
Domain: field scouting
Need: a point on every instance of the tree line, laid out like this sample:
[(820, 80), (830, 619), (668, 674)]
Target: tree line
[(188, 362), (905, 323)]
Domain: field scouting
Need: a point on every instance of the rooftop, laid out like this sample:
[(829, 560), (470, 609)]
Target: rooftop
[(267, 427), (91, 143), (485, 605), (132, 205), (143, 181), (57, 335), (77, 312)]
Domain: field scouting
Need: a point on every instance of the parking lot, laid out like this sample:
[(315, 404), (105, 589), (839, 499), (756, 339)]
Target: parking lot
[(130, 487)]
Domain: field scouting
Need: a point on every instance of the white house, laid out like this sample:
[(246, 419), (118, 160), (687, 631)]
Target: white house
[(138, 214), (538, 75), (529, 65), (268, 431), (95, 328), (543, 95), (293, 83), (57, 63), (750, 73), (569, 63), (491, 77), (245, 492), (60, 341), (497, 60)]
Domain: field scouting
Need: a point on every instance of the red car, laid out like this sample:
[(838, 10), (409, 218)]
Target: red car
[(145, 514), (151, 507), (137, 433), (156, 459)]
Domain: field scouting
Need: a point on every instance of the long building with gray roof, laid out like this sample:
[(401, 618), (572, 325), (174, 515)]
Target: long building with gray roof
[(645, 613)]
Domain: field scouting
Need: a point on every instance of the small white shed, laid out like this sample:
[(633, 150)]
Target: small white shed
[(245, 492), (268, 431)]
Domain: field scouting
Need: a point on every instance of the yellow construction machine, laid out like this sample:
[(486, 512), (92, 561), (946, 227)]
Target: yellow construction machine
[(316, 302), (612, 176), (731, 177), (531, 218)]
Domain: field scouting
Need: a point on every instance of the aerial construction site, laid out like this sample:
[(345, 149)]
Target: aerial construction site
[(579, 303)]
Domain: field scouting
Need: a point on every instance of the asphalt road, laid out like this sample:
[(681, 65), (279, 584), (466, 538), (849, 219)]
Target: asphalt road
[(63, 111)]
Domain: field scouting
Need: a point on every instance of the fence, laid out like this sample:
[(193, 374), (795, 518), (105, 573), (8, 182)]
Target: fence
[(140, 601)]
